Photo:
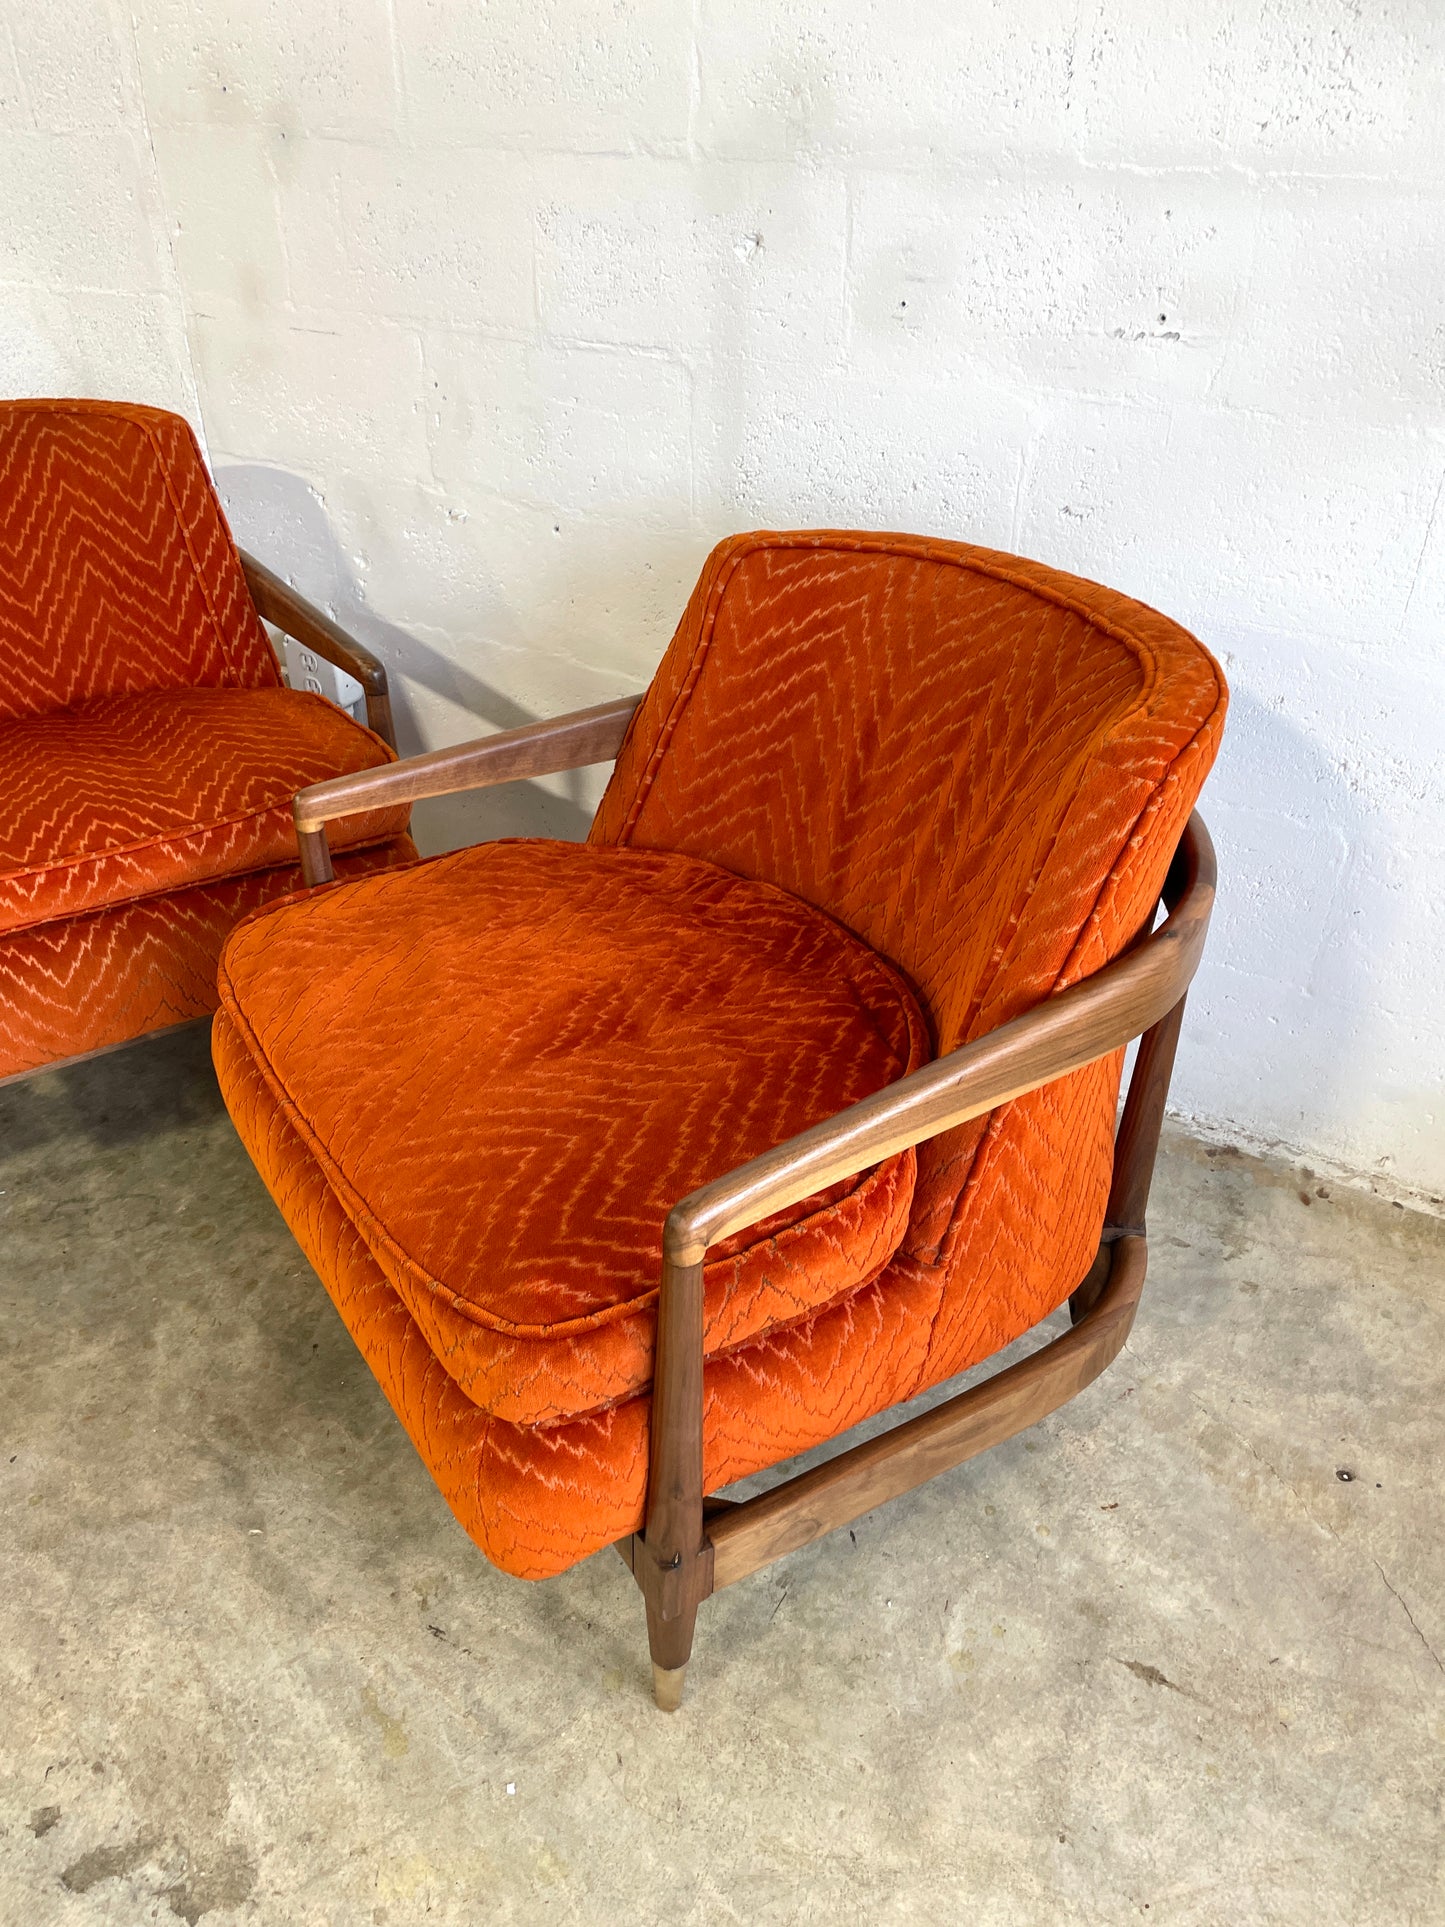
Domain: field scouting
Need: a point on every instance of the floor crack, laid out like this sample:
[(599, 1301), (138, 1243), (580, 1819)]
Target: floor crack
[(1410, 1616)]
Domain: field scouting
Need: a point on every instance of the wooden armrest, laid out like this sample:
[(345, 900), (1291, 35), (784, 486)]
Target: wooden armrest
[(537, 749), (278, 603), (1060, 1035)]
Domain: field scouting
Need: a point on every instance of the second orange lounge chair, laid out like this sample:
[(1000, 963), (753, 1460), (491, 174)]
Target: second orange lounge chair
[(149, 751), (789, 1094)]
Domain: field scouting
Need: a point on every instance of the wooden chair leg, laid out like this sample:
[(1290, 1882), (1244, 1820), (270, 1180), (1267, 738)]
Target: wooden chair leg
[(670, 1643), (673, 1560), (1137, 1143), (1135, 1149)]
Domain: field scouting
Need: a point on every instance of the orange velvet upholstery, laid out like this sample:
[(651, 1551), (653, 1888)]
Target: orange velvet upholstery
[(675, 1018), (979, 769), (536, 1498), (86, 983), (147, 746), (117, 570), (133, 795)]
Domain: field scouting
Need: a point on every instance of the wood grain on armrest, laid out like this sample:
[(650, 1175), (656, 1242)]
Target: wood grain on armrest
[(1060, 1035), (278, 603), (537, 749)]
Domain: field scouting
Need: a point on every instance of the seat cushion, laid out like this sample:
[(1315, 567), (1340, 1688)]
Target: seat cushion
[(133, 795), (538, 1498), (89, 983), (509, 1063)]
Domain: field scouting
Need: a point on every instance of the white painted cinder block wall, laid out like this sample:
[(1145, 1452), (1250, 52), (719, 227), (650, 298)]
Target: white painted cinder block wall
[(495, 317)]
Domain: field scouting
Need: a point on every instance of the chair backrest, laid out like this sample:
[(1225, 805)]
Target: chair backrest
[(979, 765), (117, 569)]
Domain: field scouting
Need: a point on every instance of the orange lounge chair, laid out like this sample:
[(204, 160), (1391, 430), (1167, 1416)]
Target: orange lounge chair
[(789, 1094), (148, 751)]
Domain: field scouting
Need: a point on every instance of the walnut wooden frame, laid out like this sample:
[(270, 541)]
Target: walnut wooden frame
[(691, 1544), (537, 749), (281, 605)]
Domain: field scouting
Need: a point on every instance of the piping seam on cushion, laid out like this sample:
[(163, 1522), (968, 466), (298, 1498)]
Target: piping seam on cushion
[(161, 841), (379, 1239), (1142, 651)]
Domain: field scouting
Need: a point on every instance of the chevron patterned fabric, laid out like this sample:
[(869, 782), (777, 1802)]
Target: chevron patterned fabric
[(975, 769), (84, 984), (131, 795), (117, 570), (717, 1018), (146, 743)]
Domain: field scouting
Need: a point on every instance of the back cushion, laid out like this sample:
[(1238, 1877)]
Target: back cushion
[(953, 752), (117, 570)]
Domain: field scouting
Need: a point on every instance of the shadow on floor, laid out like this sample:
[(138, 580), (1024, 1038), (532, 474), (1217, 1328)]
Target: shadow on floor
[(118, 1098)]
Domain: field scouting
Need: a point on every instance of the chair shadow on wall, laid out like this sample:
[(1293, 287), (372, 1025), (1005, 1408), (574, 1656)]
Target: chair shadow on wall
[(279, 518), (1289, 954)]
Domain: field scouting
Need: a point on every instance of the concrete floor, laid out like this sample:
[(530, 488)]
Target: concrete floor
[(1157, 1660)]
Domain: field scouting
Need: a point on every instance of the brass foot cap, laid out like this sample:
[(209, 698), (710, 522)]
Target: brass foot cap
[(667, 1687)]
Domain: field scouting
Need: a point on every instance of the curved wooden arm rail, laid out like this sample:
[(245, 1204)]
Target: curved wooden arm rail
[(687, 1550), (537, 749), (282, 606)]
